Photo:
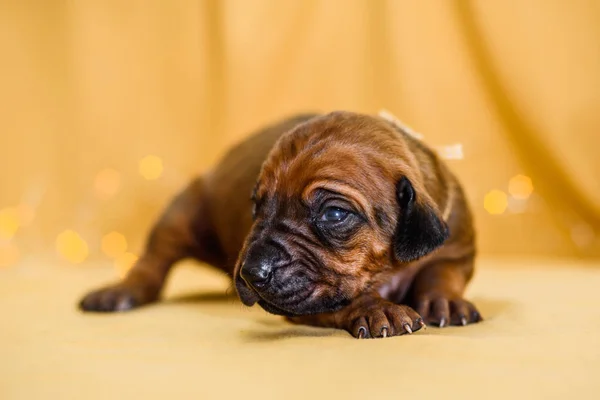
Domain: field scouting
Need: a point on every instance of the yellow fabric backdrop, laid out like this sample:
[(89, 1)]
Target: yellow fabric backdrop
[(90, 85)]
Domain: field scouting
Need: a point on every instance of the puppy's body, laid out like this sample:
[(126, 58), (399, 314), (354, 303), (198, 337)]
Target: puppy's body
[(354, 222)]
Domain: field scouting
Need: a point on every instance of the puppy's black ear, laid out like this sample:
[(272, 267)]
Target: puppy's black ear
[(419, 230)]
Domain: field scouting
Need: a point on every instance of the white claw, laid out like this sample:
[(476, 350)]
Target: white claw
[(384, 332), (407, 328), (361, 332)]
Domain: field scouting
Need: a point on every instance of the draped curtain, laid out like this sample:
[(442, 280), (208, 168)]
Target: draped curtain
[(89, 89)]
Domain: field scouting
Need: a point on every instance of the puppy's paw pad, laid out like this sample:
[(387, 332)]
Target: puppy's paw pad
[(384, 319), (442, 311)]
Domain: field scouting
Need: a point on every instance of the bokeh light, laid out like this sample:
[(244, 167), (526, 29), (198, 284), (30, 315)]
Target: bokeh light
[(124, 263), (9, 222), (495, 202), (107, 183), (114, 244), (72, 247), (9, 254), (151, 167), (520, 187)]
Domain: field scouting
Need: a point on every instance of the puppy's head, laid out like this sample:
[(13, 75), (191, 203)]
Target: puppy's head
[(339, 201)]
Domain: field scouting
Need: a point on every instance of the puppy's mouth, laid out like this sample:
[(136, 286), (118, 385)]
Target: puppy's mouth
[(249, 297)]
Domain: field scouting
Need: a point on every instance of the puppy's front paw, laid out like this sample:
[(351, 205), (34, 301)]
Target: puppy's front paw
[(442, 310), (119, 297), (381, 318)]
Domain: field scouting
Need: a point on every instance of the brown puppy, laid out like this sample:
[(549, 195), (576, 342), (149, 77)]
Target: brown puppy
[(352, 224)]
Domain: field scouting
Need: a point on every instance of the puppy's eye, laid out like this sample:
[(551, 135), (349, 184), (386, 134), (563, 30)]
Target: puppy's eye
[(334, 214)]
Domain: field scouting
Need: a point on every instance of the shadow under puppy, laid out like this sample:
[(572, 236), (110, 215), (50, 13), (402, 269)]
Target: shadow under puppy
[(352, 224)]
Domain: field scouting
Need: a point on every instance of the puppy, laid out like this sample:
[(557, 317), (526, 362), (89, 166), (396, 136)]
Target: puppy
[(341, 220)]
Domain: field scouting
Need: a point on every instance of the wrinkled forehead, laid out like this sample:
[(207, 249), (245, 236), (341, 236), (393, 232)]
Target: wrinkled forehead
[(361, 155), (356, 173)]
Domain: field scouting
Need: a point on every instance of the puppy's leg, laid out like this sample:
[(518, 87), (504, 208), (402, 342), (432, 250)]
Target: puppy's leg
[(183, 230), (437, 293), (368, 316)]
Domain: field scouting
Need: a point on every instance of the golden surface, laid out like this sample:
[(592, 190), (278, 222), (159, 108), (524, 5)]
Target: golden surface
[(539, 341)]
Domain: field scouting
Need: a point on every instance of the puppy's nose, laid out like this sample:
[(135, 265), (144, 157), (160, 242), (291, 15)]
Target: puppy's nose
[(257, 275), (258, 266)]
